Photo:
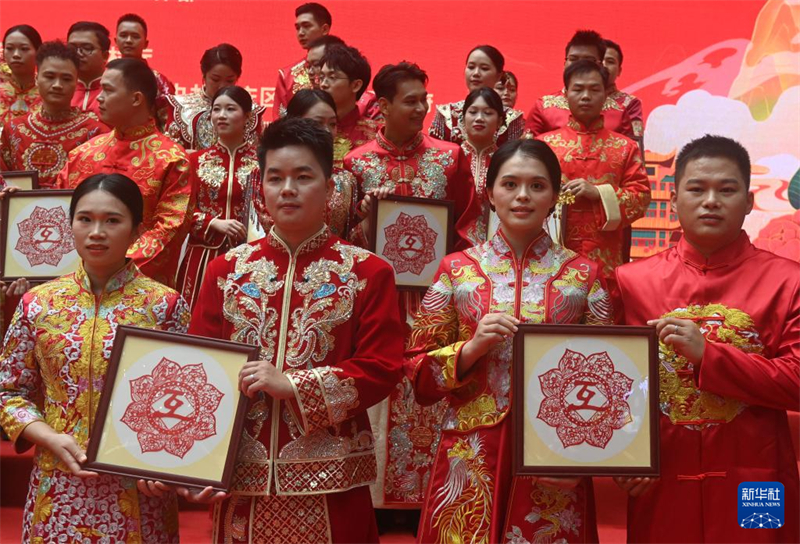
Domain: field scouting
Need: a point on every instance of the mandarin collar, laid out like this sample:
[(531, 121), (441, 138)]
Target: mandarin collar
[(537, 248), (580, 128), (136, 133), (116, 282), (312, 243), (400, 152), (728, 255)]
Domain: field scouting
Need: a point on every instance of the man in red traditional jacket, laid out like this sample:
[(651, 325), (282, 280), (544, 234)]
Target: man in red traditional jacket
[(600, 169), (92, 41), (404, 161), (345, 76), (42, 140), (633, 106), (728, 320), (137, 149), (312, 21), (131, 40), (324, 314), (551, 111)]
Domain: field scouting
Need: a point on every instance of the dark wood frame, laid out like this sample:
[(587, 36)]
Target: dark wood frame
[(33, 174), (124, 331), (518, 408), (449, 235), (4, 205)]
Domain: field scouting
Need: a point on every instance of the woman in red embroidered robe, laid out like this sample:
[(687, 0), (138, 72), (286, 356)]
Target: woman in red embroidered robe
[(189, 115), (18, 91), (482, 120), (224, 181), (484, 67), (53, 370), (461, 349)]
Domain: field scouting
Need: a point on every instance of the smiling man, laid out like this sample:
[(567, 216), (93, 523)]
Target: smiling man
[(324, 314), (601, 169), (312, 21), (137, 149), (728, 319), (42, 139)]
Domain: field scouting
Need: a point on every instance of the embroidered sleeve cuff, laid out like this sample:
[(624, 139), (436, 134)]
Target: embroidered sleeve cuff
[(16, 418), (610, 202), (322, 398), (447, 358)]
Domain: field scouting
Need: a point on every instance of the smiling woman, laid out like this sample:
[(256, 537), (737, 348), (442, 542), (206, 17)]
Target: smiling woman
[(58, 342)]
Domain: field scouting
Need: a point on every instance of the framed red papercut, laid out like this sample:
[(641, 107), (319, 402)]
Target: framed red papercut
[(585, 401), (412, 235), (171, 409), (36, 239), (25, 180)]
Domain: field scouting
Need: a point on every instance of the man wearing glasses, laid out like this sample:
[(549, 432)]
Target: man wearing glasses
[(92, 42)]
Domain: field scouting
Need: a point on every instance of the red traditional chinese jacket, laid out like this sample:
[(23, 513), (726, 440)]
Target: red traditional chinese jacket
[(723, 422), (479, 166), (352, 131), (85, 96), (15, 101), (161, 170), (37, 142), (633, 108), (290, 80), (551, 112), (326, 316), (611, 162), (426, 168), (188, 121), (448, 124), (472, 495), (225, 183)]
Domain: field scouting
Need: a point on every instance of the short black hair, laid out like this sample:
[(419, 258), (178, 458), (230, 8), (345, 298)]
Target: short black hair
[(320, 13), (326, 40), (494, 55), (120, 186), (56, 49), (132, 18), (616, 47), (28, 31), (138, 77), (305, 99), (492, 99), (582, 67), (238, 95), (713, 146), (588, 38), (223, 53), (534, 149), (296, 131), (390, 76), (350, 61), (100, 32)]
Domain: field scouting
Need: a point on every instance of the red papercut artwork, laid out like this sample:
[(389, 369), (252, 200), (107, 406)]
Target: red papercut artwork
[(585, 399), (45, 236), (410, 244), (172, 408)]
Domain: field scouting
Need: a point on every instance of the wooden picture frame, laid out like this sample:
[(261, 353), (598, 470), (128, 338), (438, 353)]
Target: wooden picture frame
[(585, 401), (36, 239), (413, 235), (171, 409), (25, 180)]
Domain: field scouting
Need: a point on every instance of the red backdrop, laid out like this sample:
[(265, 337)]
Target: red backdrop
[(437, 35)]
